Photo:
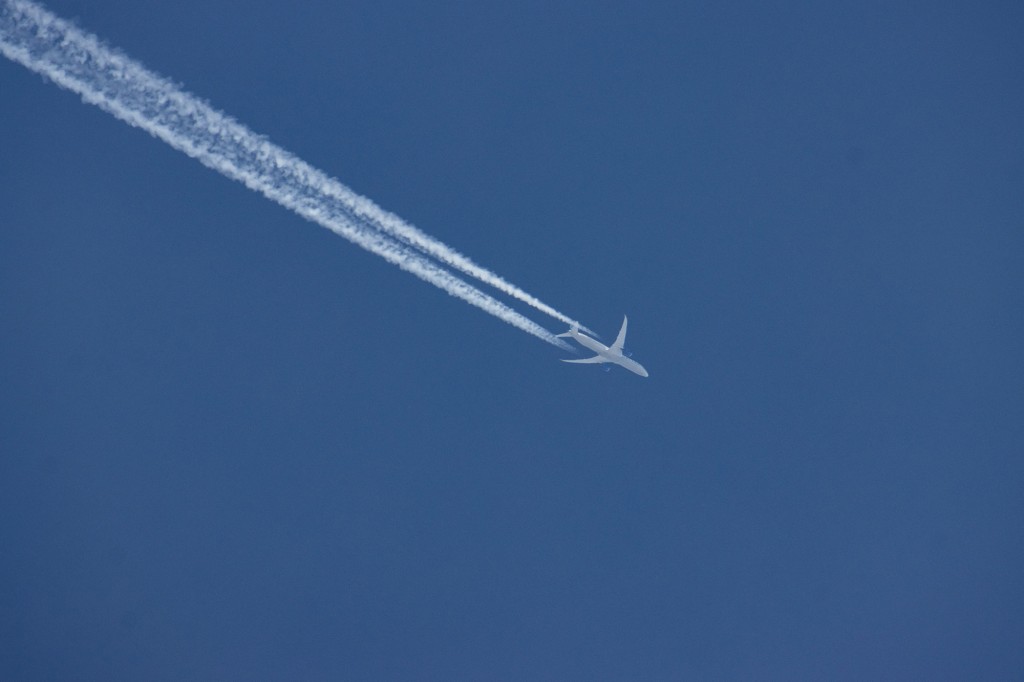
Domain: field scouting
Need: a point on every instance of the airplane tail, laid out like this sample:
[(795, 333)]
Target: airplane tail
[(575, 328)]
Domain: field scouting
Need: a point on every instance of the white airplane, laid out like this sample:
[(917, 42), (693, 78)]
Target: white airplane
[(605, 353)]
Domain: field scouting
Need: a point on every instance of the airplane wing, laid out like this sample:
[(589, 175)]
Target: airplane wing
[(596, 358), (620, 340)]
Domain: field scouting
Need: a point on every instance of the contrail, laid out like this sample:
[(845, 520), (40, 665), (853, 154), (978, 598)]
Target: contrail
[(79, 62), (395, 226)]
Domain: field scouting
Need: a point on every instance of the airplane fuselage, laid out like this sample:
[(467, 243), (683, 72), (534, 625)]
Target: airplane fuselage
[(607, 354), (592, 344)]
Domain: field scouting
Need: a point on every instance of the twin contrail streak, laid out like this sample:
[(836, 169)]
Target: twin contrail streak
[(78, 61), (395, 226)]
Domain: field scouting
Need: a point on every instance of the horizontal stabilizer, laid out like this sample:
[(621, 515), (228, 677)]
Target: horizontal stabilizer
[(572, 330)]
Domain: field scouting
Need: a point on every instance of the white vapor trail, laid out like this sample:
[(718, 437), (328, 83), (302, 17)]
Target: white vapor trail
[(395, 226), (35, 38)]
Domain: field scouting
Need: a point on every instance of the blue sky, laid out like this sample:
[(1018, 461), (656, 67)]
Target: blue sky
[(235, 446)]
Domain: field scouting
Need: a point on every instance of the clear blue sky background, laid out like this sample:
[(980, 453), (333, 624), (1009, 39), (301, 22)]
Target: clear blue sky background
[(236, 447)]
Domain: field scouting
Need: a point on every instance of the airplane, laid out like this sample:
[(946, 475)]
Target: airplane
[(605, 353)]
